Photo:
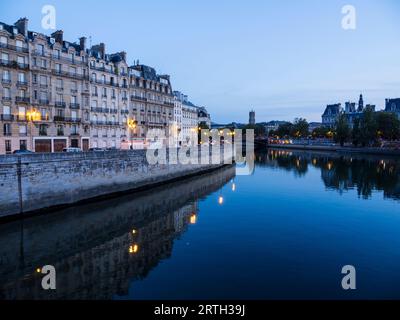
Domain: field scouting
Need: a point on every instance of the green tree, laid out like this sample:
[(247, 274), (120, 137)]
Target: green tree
[(300, 128), (284, 129), (343, 130), (388, 125), (320, 132), (365, 129)]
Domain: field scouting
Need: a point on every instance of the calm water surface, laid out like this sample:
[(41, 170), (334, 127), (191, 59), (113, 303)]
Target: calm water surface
[(284, 232)]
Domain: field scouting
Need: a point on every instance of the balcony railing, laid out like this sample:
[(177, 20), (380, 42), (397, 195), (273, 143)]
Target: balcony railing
[(70, 74), (114, 111), (68, 60), (13, 64), (15, 48), (138, 98), (6, 81), (59, 104), (7, 117), (74, 105), (44, 101), (7, 134), (22, 83), (6, 98), (169, 103), (66, 119), (22, 100), (105, 123), (102, 110), (124, 111), (103, 69)]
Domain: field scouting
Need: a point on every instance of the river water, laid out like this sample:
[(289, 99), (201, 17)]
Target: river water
[(284, 232)]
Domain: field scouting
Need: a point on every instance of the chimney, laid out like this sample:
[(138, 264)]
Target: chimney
[(58, 35), (82, 43), (102, 49), (123, 55), (22, 26)]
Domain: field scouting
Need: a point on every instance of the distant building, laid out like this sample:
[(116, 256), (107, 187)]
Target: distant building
[(331, 114), (393, 105), (351, 110), (204, 116), (252, 118)]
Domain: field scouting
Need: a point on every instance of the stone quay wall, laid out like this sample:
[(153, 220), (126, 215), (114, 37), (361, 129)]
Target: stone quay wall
[(29, 183)]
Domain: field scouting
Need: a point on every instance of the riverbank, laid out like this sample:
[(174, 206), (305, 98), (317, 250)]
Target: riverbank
[(32, 184), (338, 149)]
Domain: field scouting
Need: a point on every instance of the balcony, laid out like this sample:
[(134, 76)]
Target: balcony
[(7, 117), (6, 81), (14, 48), (138, 98), (103, 69), (74, 91), (113, 111), (43, 86), (6, 99), (73, 75), (104, 123), (101, 110), (124, 111), (13, 64), (7, 134), (125, 86), (68, 60), (171, 104), (74, 105), (59, 89), (66, 119), (22, 100), (59, 104), (22, 83), (124, 99), (44, 102)]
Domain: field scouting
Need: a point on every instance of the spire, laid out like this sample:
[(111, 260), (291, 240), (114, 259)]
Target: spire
[(361, 103)]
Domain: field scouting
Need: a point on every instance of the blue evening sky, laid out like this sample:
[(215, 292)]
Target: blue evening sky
[(283, 58)]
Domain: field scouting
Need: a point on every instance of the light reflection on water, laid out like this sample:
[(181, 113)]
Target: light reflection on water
[(284, 232)]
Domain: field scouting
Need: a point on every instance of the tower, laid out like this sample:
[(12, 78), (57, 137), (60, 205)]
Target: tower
[(361, 103), (252, 117)]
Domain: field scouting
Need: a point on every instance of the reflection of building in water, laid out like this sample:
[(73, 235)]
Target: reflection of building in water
[(101, 249)]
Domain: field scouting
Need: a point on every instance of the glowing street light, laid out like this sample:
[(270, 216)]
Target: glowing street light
[(134, 248), (193, 218)]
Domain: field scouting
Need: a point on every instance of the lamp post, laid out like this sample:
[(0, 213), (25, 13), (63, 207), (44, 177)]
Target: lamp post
[(32, 116), (132, 124)]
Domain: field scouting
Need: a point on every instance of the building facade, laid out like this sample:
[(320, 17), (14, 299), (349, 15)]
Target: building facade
[(393, 105), (352, 111), (57, 94)]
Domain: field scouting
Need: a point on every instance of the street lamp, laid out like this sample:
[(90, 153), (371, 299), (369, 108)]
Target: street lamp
[(31, 116), (132, 124)]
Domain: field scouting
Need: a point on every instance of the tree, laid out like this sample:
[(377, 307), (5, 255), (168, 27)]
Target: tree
[(300, 128), (388, 125), (284, 129), (365, 129), (320, 132), (343, 131)]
